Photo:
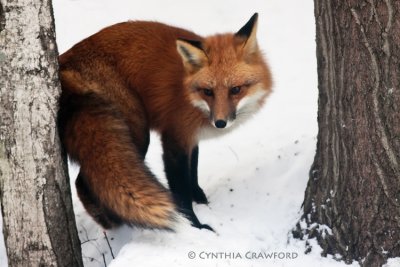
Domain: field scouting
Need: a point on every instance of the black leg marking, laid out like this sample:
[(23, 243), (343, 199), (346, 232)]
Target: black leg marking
[(197, 193), (177, 169)]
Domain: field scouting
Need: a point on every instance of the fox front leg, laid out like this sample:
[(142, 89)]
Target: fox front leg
[(177, 169), (197, 193)]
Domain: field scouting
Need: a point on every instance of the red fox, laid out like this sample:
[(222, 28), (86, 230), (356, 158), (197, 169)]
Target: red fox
[(137, 76)]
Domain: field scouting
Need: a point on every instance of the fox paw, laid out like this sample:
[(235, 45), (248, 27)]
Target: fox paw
[(207, 227), (199, 196)]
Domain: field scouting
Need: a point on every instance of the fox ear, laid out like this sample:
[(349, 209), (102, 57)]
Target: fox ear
[(192, 53), (247, 36)]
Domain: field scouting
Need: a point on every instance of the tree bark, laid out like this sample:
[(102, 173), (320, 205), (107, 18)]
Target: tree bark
[(352, 200), (38, 221)]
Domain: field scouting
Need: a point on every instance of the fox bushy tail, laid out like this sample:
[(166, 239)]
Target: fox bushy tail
[(114, 183)]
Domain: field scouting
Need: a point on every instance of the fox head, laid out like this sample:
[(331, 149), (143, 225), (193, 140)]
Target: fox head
[(226, 76)]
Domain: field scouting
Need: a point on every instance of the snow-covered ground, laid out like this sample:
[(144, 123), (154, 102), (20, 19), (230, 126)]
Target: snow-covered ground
[(254, 178)]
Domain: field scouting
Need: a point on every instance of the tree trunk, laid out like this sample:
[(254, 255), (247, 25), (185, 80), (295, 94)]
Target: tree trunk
[(38, 220), (352, 200)]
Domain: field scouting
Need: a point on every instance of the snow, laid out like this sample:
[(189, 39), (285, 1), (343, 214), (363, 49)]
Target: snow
[(256, 176)]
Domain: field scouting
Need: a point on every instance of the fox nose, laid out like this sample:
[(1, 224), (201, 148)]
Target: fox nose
[(220, 124)]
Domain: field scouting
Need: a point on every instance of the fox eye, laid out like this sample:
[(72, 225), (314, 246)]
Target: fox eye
[(208, 92), (235, 90)]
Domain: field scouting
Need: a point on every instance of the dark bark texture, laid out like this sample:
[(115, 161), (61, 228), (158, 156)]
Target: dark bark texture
[(38, 220), (352, 200)]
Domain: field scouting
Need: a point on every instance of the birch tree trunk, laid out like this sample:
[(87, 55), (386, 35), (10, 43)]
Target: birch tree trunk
[(352, 200), (38, 220)]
